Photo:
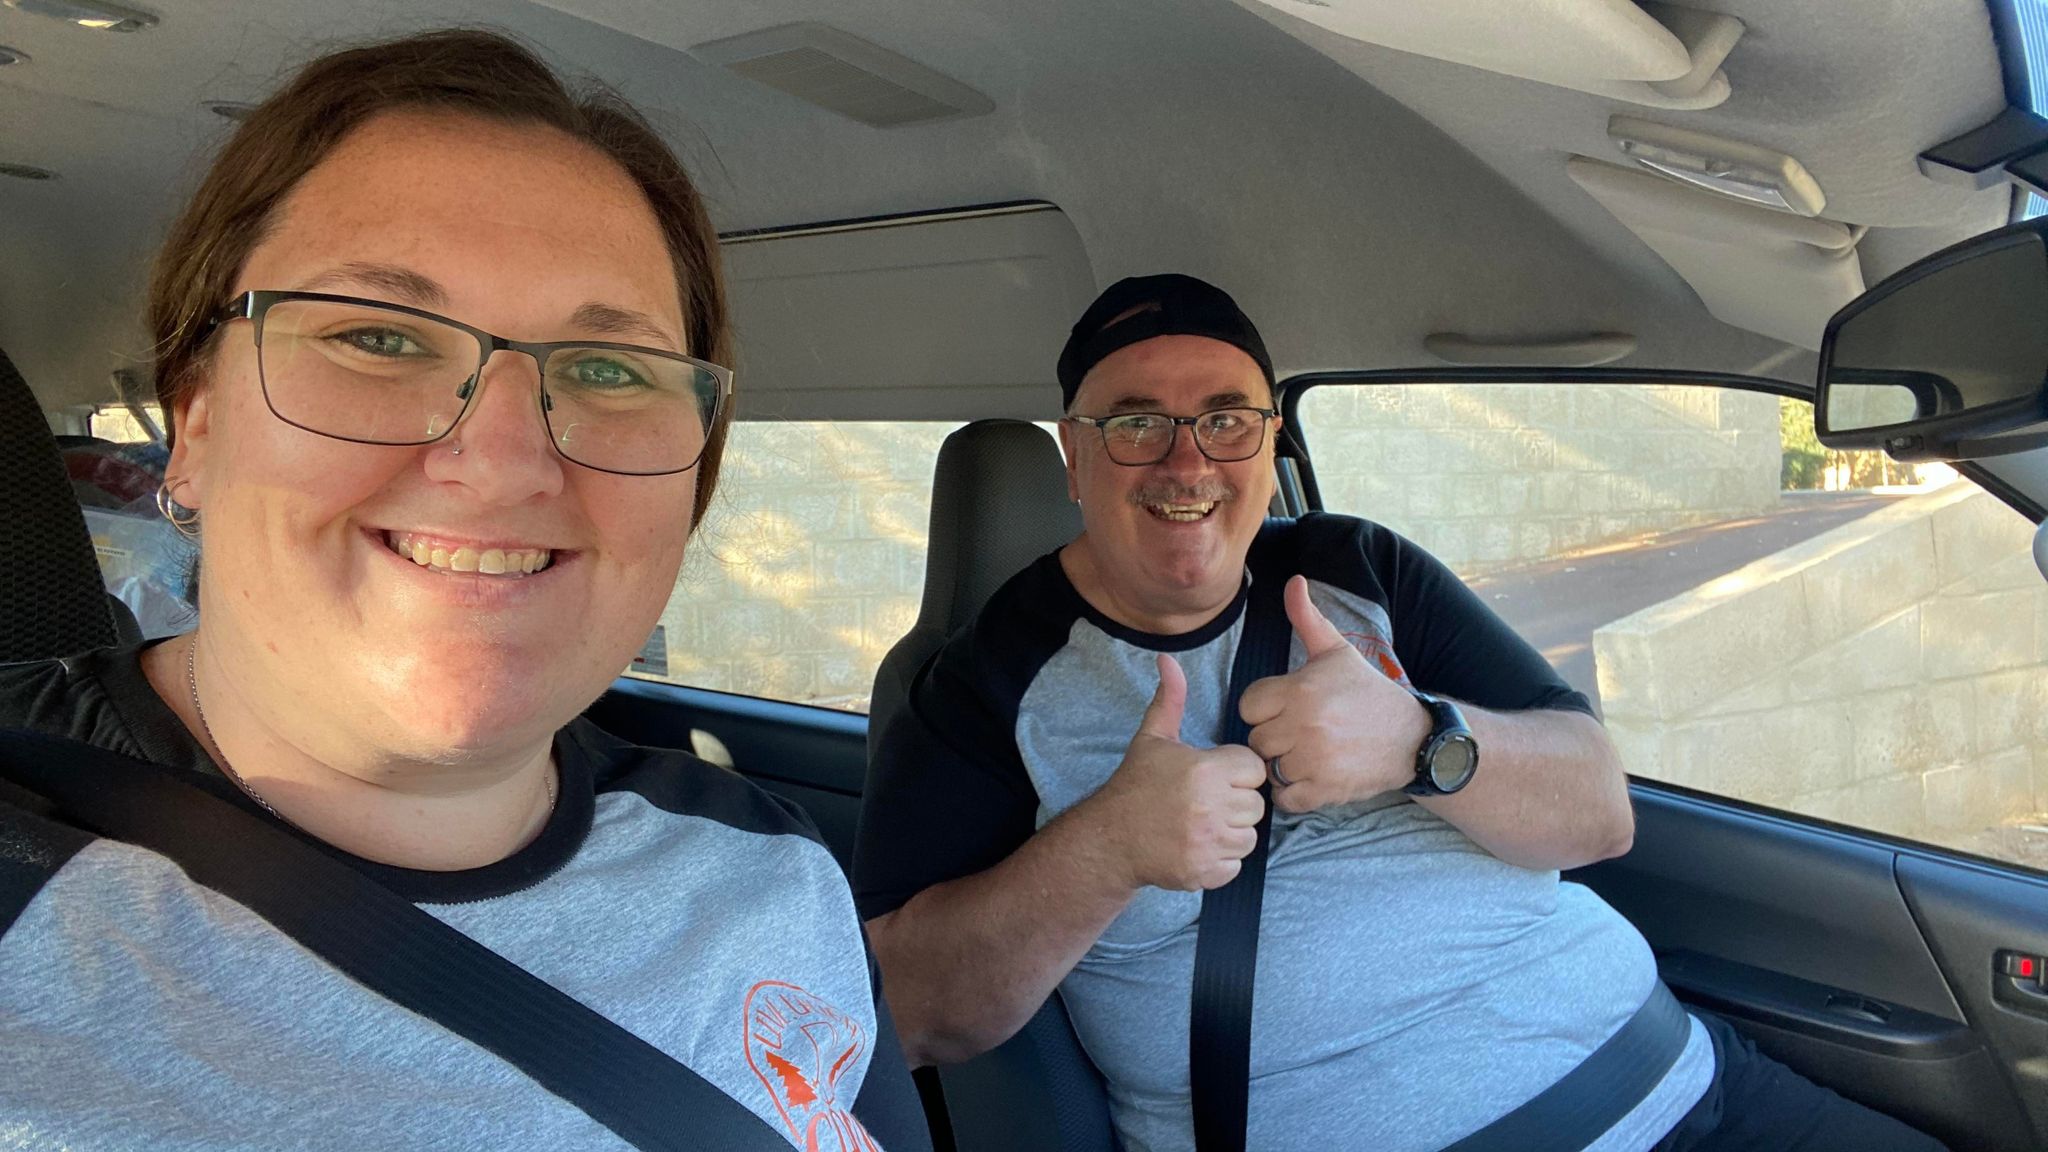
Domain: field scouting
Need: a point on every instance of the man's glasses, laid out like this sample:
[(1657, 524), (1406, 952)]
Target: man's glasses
[(1223, 434), (375, 373)]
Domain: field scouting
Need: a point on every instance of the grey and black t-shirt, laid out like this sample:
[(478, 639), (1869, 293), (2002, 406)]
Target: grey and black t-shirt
[(141, 1010), (1411, 987)]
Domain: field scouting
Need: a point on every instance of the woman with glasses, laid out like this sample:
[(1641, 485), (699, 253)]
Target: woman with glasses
[(441, 346)]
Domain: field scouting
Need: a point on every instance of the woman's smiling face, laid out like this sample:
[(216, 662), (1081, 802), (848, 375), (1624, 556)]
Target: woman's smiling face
[(513, 228)]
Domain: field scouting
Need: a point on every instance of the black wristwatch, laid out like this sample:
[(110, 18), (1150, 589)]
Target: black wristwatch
[(1449, 756)]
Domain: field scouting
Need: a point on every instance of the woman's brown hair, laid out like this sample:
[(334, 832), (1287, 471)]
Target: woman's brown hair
[(475, 72)]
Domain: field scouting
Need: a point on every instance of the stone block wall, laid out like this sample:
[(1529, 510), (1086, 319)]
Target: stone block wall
[(1491, 475), (810, 563), (1891, 674)]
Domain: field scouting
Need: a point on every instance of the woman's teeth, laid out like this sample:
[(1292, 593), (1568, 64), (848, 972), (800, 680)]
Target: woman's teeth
[(1185, 513), (488, 561)]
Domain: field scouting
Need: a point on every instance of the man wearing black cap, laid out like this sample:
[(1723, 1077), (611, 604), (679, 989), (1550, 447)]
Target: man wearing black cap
[(1421, 970)]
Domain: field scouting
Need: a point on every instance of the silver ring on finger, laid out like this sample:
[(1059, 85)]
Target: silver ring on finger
[(1279, 777)]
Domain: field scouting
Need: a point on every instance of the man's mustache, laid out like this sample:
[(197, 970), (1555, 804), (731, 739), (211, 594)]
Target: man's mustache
[(1202, 493)]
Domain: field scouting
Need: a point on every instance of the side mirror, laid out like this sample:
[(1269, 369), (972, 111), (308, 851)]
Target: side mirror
[(1940, 359)]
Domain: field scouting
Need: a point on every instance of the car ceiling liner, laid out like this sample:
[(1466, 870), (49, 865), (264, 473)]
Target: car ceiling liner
[(1588, 350), (842, 73), (1767, 271), (1739, 223), (854, 319), (1652, 54)]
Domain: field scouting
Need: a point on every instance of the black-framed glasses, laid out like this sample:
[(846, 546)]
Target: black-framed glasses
[(375, 373), (1224, 435)]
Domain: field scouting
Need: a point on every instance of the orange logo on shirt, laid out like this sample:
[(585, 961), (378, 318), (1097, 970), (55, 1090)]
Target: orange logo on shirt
[(801, 1047), (1379, 654)]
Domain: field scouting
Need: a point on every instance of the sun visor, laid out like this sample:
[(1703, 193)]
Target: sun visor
[(1770, 272), (956, 315), (1658, 55)]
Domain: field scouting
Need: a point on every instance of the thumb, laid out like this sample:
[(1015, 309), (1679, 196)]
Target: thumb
[(1317, 634), (1162, 716)]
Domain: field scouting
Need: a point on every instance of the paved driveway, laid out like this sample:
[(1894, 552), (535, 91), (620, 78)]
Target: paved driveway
[(1557, 604)]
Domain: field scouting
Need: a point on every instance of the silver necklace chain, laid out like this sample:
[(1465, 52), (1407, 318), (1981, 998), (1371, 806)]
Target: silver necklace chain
[(221, 757), (192, 683)]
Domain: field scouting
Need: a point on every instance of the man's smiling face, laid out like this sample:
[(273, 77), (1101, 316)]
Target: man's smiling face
[(1169, 539)]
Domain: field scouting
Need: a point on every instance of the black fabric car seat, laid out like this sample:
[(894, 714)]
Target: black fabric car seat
[(999, 501), (52, 601)]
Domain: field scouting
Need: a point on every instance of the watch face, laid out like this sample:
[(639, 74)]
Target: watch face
[(1453, 763)]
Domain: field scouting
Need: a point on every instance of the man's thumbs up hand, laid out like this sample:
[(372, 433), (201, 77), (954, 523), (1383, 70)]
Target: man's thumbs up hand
[(1181, 817), (1319, 637), (1162, 717), (1333, 730)]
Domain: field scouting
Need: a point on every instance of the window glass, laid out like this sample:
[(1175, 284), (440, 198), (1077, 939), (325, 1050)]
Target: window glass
[(2032, 18), (116, 423), (809, 565), (1833, 634)]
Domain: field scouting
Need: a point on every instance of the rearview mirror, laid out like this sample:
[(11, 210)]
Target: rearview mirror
[(1942, 357)]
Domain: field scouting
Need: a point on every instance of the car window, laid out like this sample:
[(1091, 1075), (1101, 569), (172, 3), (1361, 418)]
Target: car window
[(1831, 634), (809, 565), (116, 423)]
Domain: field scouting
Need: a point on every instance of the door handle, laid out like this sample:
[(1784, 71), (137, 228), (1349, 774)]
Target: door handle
[(2017, 981), (1859, 1008)]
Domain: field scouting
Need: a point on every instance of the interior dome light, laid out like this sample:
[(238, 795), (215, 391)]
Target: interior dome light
[(1726, 167), (99, 15), (12, 56), (26, 172)]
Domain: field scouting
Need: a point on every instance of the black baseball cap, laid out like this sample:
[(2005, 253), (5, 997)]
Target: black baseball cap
[(1169, 304)]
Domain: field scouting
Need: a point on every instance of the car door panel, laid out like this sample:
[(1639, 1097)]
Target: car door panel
[(1825, 1012), (816, 757), (1961, 1100), (1716, 879), (1802, 936), (1970, 914)]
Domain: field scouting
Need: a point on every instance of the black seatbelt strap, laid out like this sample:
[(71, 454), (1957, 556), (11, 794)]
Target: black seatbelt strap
[(380, 940), (1593, 1097), (1227, 938)]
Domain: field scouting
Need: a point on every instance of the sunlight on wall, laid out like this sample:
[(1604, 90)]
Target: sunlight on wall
[(1490, 475)]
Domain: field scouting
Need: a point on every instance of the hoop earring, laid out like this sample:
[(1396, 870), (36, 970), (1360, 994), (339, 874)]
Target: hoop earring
[(185, 520)]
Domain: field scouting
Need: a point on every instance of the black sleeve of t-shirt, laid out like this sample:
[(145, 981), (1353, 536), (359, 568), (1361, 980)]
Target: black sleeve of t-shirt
[(948, 795), (1446, 638)]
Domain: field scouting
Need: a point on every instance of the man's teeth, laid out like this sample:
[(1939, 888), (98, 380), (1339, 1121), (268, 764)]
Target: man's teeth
[(1183, 512), (488, 561)]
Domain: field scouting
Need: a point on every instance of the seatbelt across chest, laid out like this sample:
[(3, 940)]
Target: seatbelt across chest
[(1227, 938), (383, 942)]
